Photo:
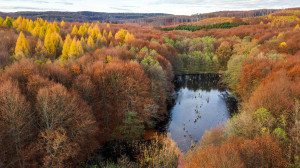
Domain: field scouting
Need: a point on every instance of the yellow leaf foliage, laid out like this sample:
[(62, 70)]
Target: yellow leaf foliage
[(66, 48), (75, 30), (36, 30), (120, 35), (94, 32), (129, 37), (90, 43), (83, 29), (62, 23), (110, 35), (283, 45), (22, 47), (53, 43), (74, 52)]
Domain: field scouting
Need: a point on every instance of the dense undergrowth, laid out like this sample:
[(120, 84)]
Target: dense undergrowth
[(67, 89)]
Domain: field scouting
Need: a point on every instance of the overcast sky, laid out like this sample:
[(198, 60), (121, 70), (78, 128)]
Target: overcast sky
[(182, 7)]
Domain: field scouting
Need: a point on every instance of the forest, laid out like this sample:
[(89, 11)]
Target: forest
[(83, 16), (225, 25), (71, 91)]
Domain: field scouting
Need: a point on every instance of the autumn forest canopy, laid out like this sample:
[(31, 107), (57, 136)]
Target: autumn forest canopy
[(67, 89)]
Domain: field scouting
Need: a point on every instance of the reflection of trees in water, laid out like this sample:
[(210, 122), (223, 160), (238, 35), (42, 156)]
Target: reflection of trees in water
[(231, 103), (206, 82)]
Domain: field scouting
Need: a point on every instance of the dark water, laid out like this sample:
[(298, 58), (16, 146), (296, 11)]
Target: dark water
[(200, 104)]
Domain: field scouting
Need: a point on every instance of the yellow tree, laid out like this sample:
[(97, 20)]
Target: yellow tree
[(36, 30), (46, 24), (17, 24), (43, 31), (90, 30), (30, 26), (283, 45), (62, 23), (83, 29), (22, 47), (75, 30), (94, 32), (90, 43), (55, 27), (129, 37), (40, 21), (66, 48), (53, 43), (110, 35), (120, 35), (24, 24), (1, 21), (74, 51)]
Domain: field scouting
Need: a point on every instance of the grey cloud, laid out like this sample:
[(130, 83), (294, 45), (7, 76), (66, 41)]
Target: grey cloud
[(64, 3), (28, 8), (120, 9)]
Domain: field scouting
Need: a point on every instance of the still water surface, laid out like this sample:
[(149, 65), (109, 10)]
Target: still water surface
[(200, 104)]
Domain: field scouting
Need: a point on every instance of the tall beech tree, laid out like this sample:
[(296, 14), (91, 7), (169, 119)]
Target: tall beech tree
[(67, 127), (16, 125)]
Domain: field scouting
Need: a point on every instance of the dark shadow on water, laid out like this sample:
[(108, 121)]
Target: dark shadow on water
[(205, 82)]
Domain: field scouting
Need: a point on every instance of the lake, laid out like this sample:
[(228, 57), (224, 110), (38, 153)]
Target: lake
[(199, 105)]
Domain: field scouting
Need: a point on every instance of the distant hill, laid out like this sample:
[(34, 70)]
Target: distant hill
[(172, 20), (83, 16), (164, 20), (241, 14), (139, 19)]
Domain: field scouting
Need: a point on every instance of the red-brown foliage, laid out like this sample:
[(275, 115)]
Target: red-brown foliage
[(20, 72), (67, 128), (254, 70), (227, 155), (56, 73), (262, 151), (277, 94), (16, 125)]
